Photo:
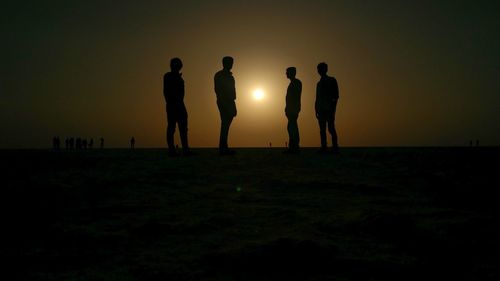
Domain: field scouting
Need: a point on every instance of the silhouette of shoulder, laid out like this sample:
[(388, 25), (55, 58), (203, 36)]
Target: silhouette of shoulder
[(296, 84), (327, 88), (224, 85), (293, 94), (333, 86), (173, 87)]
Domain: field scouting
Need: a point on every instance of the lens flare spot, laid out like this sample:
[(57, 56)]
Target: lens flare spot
[(258, 94)]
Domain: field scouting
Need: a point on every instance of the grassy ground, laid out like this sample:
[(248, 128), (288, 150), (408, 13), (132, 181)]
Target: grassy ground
[(368, 214)]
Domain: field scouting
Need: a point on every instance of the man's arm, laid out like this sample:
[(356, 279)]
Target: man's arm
[(216, 83), (299, 93), (316, 103), (335, 87), (165, 86), (233, 87)]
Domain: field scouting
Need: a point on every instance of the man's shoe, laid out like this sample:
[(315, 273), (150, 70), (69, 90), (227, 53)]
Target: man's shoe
[(227, 152), (323, 150), (188, 153), (291, 151), (173, 154), (335, 151)]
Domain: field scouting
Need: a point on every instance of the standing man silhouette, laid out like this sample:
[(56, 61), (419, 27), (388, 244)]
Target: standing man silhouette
[(225, 91), (132, 143), (173, 91), (327, 95), (292, 109)]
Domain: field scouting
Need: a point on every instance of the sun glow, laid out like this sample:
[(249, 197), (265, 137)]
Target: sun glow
[(258, 94)]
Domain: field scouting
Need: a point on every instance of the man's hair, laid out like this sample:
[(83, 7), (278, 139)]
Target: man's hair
[(175, 64), (292, 70), (227, 60), (322, 67)]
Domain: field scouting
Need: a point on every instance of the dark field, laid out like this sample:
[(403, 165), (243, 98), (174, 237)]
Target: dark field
[(368, 214)]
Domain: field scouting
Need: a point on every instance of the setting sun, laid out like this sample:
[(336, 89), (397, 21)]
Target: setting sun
[(258, 94)]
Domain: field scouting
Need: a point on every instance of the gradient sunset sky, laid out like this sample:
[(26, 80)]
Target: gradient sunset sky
[(409, 72)]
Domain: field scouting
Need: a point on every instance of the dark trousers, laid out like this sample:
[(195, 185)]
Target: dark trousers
[(327, 122), (227, 110), (177, 116), (326, 119), (224, 132), (293, 131)]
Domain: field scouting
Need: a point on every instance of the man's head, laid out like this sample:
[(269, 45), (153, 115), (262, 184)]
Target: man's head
[(175, 64), (227, 62), (322, 69), (291, 72)]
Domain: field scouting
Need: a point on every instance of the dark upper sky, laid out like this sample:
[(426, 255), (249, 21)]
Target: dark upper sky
[(423, 73)]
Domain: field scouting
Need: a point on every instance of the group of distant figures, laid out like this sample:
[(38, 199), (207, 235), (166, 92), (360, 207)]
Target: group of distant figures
[(76, 143), (82, 144), (327, 95), (477, 143)]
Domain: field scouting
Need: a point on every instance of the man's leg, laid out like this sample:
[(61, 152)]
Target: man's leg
[(183, 129), (289, 130), (333, 130), (224, 132), (171, 123), (170, 137), (322, 132), (227, 112), (293, 132)]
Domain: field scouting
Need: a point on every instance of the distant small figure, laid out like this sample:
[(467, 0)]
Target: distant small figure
[(286, 144), (470, 143), (78, 143), (173, 91), (225, 91), (101, 140), (270, 145), (132, 143), (72, 143), (292, 109), (56, 143), (84, 143), (91, 143), (327, 95), (477, 143)]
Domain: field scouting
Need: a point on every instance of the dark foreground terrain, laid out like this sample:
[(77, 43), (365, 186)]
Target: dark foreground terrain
[(369, 214)]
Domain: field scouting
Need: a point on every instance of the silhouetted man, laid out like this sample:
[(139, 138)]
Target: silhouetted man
[(173, 91), (292, 109), (101, 141), (78, 143), (327, 95), (132, 143), (56, 143), (226, 95)]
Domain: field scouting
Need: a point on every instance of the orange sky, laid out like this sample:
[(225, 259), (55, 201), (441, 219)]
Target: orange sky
[(413, 74)]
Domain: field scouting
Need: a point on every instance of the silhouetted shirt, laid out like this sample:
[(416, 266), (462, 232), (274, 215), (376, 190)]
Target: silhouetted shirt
[(327, 93), (293, 93), (173, 89), (225, 86)]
